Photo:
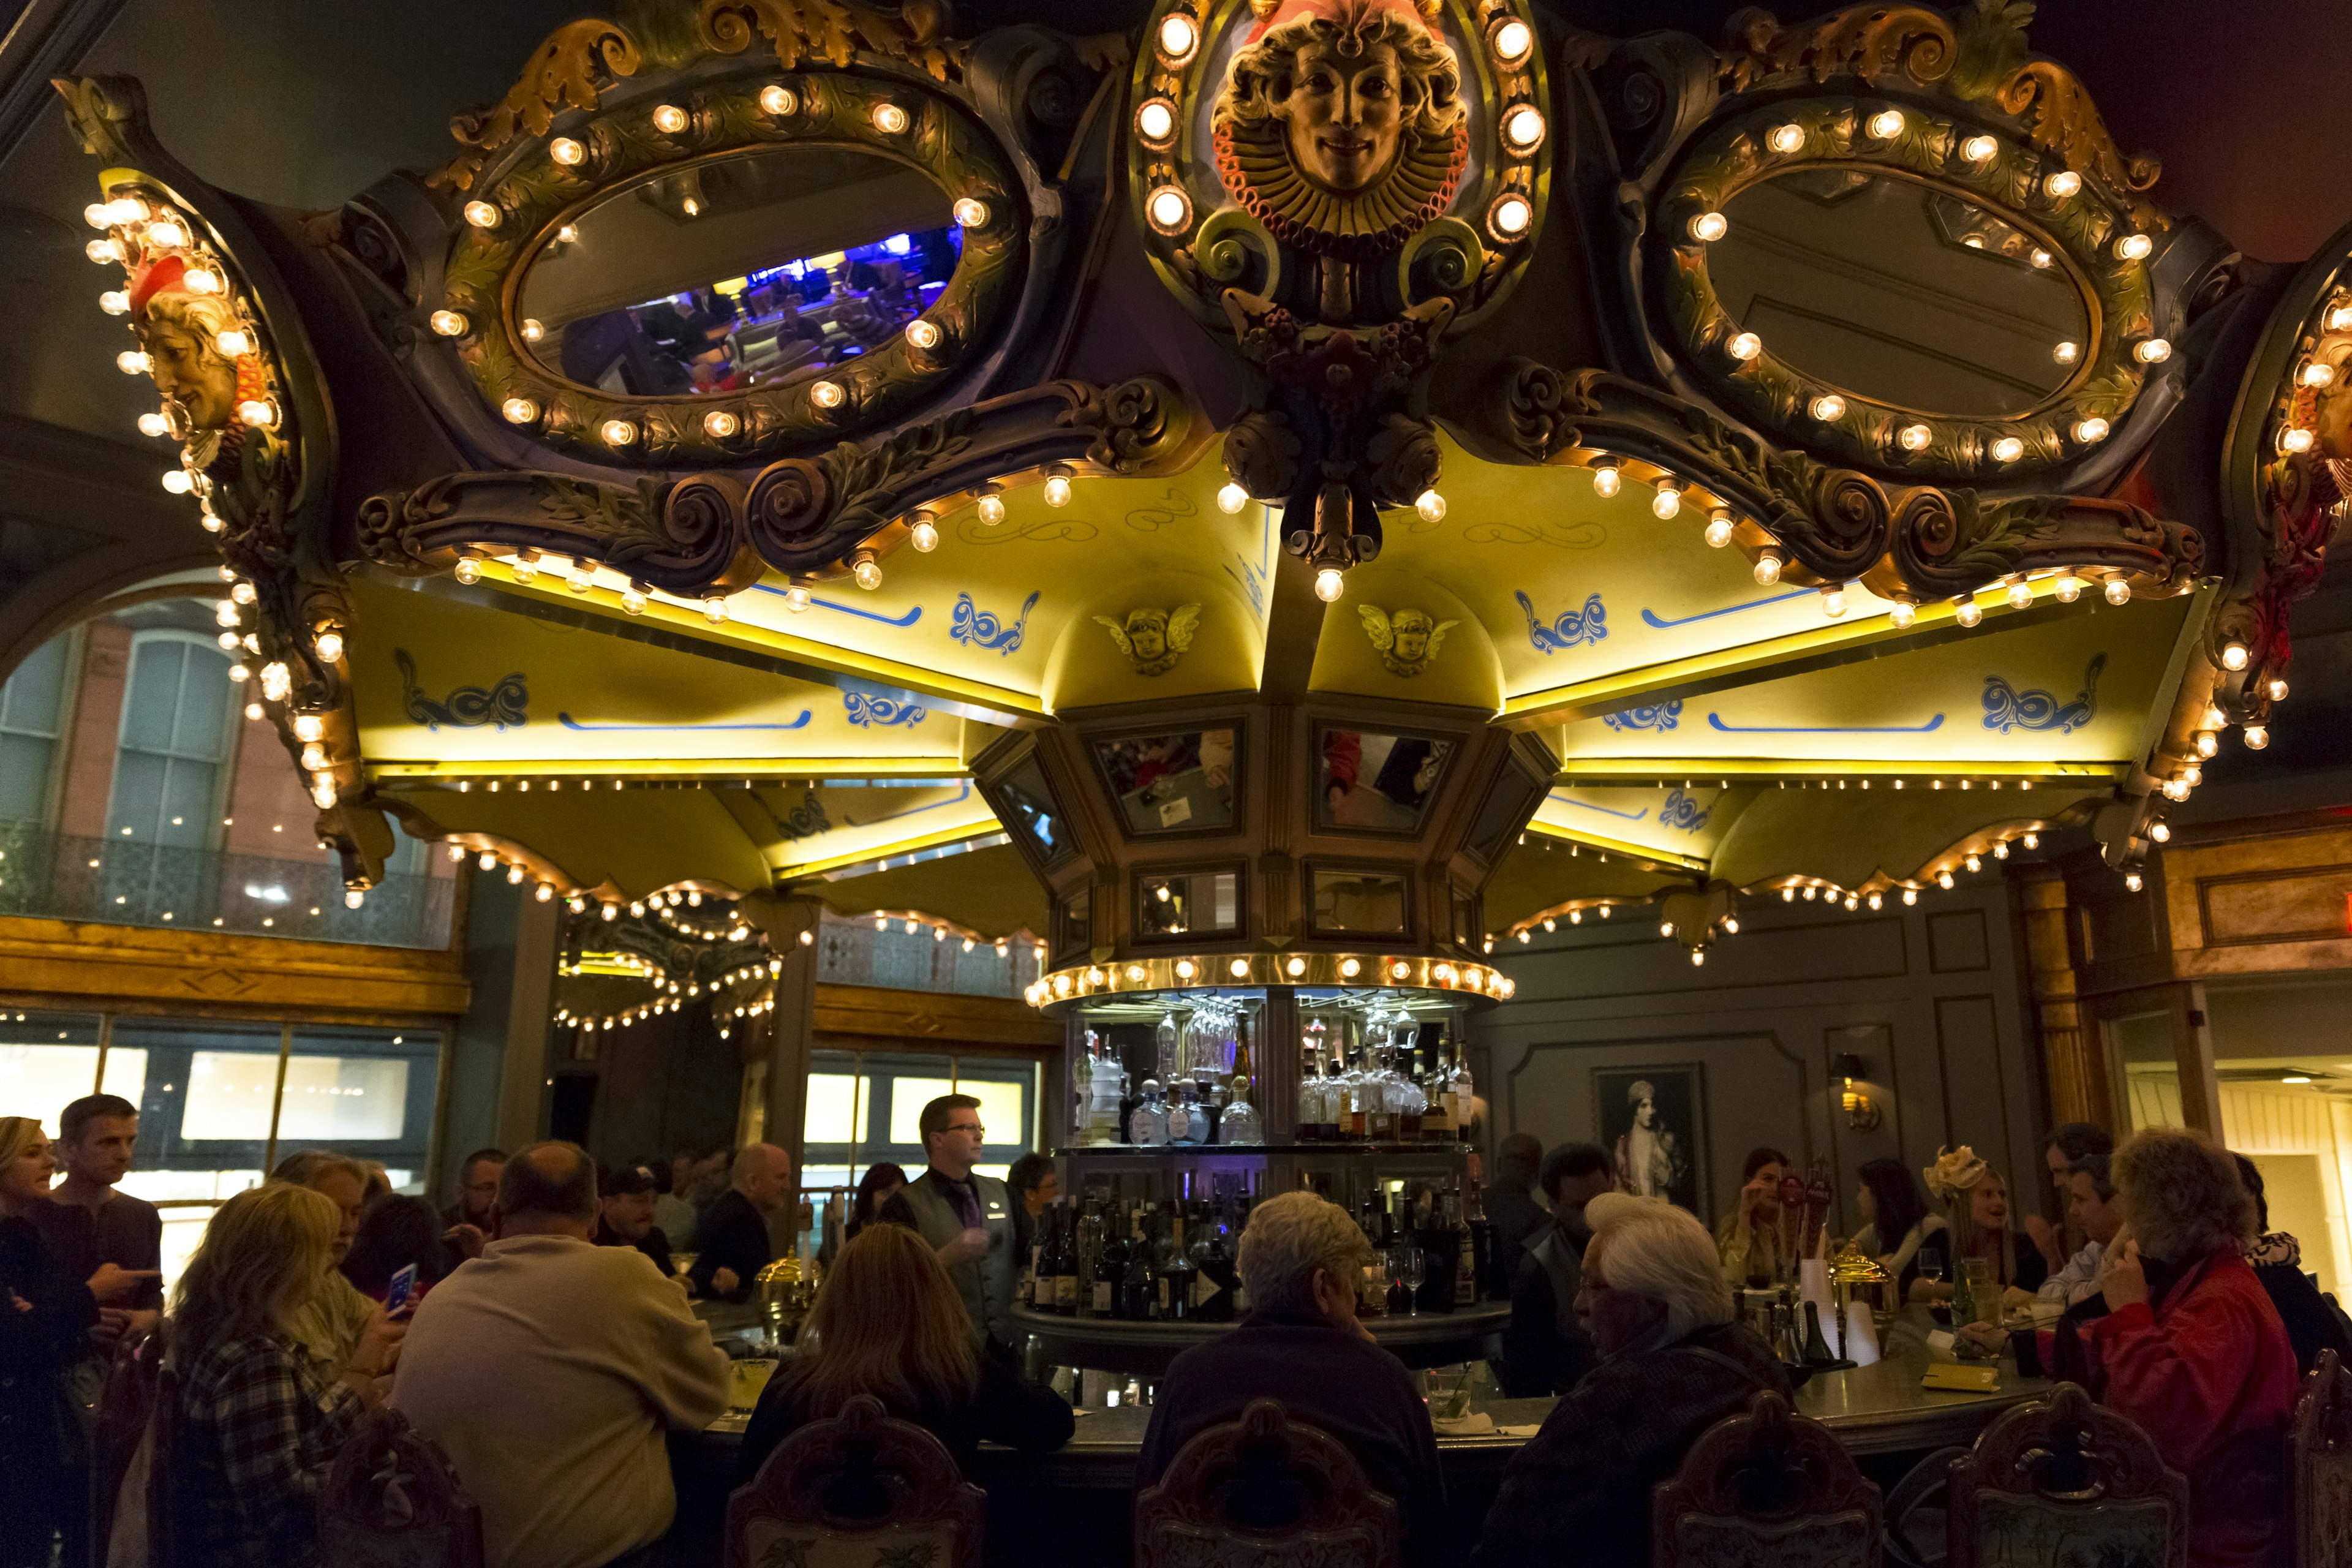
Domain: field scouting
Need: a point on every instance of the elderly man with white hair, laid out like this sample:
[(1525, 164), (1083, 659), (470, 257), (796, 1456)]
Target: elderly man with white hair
[(1301, 1257), (1674, 1360)]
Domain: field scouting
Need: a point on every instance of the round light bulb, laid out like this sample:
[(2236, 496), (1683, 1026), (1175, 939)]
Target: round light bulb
[(778, 100), (1914, 438), (1171, 209), (889, 119), (482, 215), (1786, 138), (581, 578), (2295, 441), (519, 410), (1979, 149), (2159, 832), (1179, 36), (828, 394), (114, 302), (1430, 506), (1969, 613), (1058, 489), (2233, 655), (1833, 601), (258, 413), (617, 432), (970, 211), (201, 280), (1903, 613), (669, 119), (566, 152), (1512, 41), (1718, 529), (468, 571), (714, 610), (1887, 125), (1231, 498), (2070, 588), (526, 570), (2152, 351), (1668, 501), (990, 507), (131, 362), (1510, 216), (104, 251), (1828, 406), (2208, 742), (124, 210), (1156, 120), (1606, 480), (632, 601), (2066, 352), (2118, 592), (98, 214), (2134, 246), (2339, 320), (2132, 882), (868, 575), (154, 425), (2091, 431), (314, 757), (2021, 595), (307, 727), (922, 333), (796, 597), (2007, 450), (1745, 347), (1329, 583), (924, 536), (2061, 184), (234, 344), (1768, 570), (2256, 737), (177, 481), (2278, 691), (1709, 226)]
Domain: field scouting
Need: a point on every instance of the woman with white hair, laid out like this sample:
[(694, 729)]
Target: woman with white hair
[(1674, 1360), (1301, 1257), (2191, 1348)]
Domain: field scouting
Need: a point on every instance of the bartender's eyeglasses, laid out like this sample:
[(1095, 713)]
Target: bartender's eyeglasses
[(974, 1127)]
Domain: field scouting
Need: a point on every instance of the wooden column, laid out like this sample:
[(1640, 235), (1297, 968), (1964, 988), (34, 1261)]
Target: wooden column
[(2192, 1053), (523, 1086), (2073, 1059)]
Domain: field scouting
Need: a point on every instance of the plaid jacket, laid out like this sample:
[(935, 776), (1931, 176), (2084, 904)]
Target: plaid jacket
[(260, 1422)]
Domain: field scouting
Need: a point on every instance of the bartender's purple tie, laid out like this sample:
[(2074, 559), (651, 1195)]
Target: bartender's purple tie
[(967, 1202)]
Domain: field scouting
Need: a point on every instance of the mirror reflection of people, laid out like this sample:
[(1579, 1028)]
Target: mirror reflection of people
[(1649, 1161), (730, 1243), (624, 1214), (1403, 768)]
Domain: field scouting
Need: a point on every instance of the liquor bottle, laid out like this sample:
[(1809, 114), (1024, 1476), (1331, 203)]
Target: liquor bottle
[(1135, 1290), (1178, 1275), (1164, 1040), (1437, 1119), (1466, 1093), (1148, 1124), (1241, 1123), (1474, 1277), (1088, 1254), (1110, 1268), (1817, 1349), (1240, 1289), (1066, 1267), (1039, 1287), (1213, 1268)]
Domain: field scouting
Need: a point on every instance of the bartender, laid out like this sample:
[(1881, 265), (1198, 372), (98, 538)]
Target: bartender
[(967, 1217)]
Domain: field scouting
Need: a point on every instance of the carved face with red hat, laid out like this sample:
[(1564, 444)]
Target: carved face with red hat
[(180, 328), (1342, 126)]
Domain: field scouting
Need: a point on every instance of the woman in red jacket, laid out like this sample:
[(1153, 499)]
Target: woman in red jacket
[(2191, 1348)]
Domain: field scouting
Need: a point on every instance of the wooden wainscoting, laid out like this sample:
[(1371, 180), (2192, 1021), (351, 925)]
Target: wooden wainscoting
[(932, 1019)]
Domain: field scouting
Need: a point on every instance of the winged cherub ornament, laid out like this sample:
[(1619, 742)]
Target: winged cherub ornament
[(1154, 640), (1408, 640)]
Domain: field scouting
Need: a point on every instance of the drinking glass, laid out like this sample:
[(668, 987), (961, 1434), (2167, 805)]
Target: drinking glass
[(1416, 1270), (1931, 1265), (1395, 1261)]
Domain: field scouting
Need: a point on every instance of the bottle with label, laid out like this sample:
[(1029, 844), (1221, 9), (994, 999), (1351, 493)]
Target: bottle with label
[(1110, 1268), (1067, 1282), (1178, 1275), (1089, 1253), (1240, 1289), (1135, 1286), (1038, 1287), (1239, 1123), (1148, 1124)]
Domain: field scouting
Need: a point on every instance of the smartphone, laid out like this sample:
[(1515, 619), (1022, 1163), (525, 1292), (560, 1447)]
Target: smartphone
[(403, 1286)]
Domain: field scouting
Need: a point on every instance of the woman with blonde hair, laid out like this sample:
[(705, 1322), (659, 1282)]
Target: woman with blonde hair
[(889, 1322), (260, 1418), (2191, 1348), (1976, 1211)]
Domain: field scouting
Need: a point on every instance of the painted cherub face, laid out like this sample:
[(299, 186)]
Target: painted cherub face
[(1343, 113), (1147, 632), (1412, 629), (186, 367)]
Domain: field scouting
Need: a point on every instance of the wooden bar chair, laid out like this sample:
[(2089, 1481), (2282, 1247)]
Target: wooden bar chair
[(1265, 1491), (2064, 1481), (861, 1491), (392, 1499), (2320, 1465), (1766, 1490)]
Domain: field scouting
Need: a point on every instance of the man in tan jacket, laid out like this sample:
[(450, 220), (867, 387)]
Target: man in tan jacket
[(547, 1369)]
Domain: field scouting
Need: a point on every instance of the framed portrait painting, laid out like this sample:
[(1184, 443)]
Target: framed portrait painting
[(1653, 1122)]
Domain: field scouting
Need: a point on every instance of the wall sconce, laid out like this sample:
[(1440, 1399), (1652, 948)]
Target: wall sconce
[(1861, 1113)]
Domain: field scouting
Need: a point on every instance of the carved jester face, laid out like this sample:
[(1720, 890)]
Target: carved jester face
[(1341, 107), (186, 364)]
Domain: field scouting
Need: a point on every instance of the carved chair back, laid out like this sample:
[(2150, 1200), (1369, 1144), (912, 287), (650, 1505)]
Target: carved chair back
[(1766, 1489), (392, 1500), (2322, 1467), (1264, 1491), (2063, 1479), (861, 1491)]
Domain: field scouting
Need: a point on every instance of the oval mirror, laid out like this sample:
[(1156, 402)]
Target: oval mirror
[(1896, 291), (750, 271)]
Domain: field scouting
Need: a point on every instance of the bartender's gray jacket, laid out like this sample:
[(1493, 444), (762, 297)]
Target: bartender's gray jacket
[(988, 1283)]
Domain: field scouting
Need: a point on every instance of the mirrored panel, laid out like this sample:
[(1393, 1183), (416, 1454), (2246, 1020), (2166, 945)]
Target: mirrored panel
[(1374, 903), (1024, 800), (1368, 782), (752, 271), (1187, 904), (1072, 925), (1180, 782), (1900, 292)]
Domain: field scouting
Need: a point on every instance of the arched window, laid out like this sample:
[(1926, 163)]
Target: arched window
[(168, 773), (32, 724)]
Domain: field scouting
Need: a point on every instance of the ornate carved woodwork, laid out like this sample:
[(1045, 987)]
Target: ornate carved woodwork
[(392, 1499), (1266, 1490), (2065, 1471), (864, 1484), (2320, 1446), (1765, 1486)]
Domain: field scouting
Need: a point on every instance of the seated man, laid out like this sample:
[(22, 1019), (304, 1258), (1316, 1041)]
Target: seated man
[(730, 1243), (2091, 1205), (549, 1368), (1300, 1260), (1674, 1360), (626, 1215), (1547, 1349)]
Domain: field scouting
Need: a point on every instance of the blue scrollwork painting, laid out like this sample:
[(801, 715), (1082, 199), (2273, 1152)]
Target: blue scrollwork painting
[(1665, 716), (867, 711), (983, 630), (465, 706), (1682, 811), (2006, 708), (1569, 628)]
